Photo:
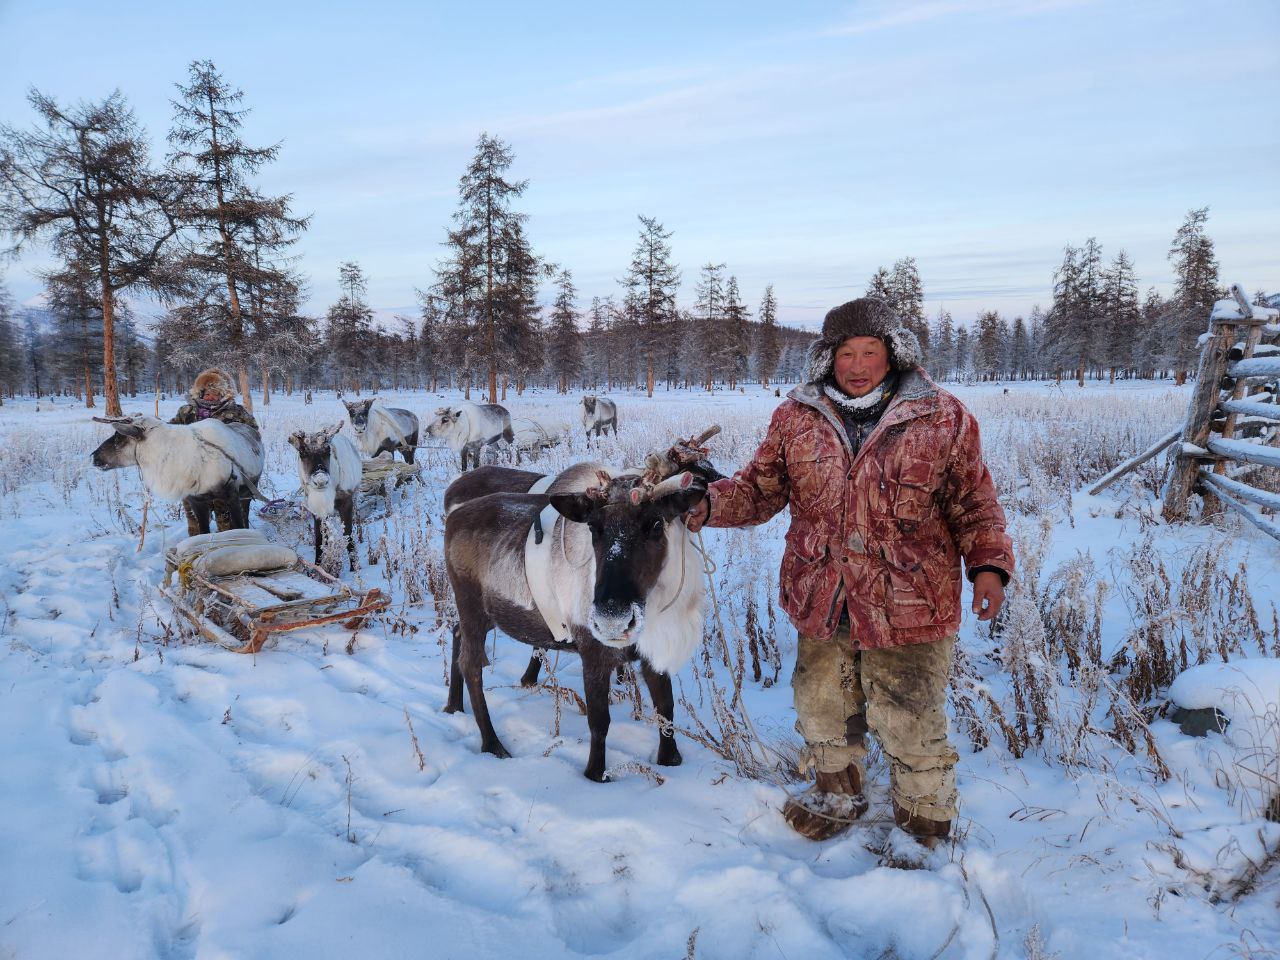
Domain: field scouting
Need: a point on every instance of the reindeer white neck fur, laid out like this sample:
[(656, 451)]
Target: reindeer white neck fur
[(671, 626), (345, 474)]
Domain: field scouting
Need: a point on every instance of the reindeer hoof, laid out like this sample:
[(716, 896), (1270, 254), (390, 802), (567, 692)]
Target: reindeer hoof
[(497, 749), (599, 776), (452, 708), (669, 758)]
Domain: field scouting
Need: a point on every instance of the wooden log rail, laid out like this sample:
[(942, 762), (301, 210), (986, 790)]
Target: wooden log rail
[(1208, 433)]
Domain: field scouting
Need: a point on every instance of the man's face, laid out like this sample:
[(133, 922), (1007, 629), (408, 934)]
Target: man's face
[(210, 395), (861, 364)]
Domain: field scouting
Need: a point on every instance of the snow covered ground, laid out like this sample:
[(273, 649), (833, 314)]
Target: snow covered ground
[(166, 798)]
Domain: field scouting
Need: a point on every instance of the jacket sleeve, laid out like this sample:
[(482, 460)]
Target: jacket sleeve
[(972, 512), (760, 489)]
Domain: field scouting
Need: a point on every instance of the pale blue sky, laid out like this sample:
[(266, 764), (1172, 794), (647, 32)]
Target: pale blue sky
[(803, 144)]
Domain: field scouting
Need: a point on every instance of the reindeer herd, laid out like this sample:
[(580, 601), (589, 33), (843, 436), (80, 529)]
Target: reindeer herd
[(594, 560)]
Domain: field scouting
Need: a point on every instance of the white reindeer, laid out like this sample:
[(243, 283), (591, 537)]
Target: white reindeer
[(469, 427), (330, 470), (532, 436), (383, 428), (599, 415), (201, 463)]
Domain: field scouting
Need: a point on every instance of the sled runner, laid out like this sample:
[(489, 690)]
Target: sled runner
[(237, 589)]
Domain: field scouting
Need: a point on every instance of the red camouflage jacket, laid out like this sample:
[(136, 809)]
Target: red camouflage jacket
[(883, 531)]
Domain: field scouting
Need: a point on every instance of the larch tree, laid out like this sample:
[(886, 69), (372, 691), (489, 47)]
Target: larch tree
[(349, 328), (487, 231), (565, 359), (768, 346), (709, 315), (1020, 349), (942, 359), (77, 317), (10, 347), (1195, 287), (83, 182), (881, 285), (906, 297), (651, 284), (233, 233), (988, 345), (1123, 313), (736, 344)]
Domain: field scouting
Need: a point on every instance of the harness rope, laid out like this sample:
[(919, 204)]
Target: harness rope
[(245, 478)]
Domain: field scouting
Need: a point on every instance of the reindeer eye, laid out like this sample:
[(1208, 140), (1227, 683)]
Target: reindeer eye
[(657, 530)]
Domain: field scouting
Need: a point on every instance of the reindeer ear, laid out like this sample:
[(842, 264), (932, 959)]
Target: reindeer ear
[(132, 428), (330, 432), (680, 501), (297, 439), (574, 506)]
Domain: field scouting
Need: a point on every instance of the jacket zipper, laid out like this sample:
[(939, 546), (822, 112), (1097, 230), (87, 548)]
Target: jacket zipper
[(831, 615)]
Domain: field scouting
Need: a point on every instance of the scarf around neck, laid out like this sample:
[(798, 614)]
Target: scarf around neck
[(861, 414)]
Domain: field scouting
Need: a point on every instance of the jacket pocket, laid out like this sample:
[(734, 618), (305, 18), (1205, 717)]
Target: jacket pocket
[(913, 496), (803, 565), (911, 596)]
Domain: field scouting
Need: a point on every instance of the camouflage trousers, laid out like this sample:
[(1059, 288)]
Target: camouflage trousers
[(899, 695)]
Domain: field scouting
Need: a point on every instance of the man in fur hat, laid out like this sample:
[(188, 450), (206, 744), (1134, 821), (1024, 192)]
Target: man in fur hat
[(888, 491), (212, 395)]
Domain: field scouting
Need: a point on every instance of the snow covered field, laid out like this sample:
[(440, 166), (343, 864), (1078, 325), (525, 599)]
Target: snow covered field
[(165, 798)]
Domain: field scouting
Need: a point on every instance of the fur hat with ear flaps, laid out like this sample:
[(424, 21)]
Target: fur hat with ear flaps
[(215, 379), (865, 317)]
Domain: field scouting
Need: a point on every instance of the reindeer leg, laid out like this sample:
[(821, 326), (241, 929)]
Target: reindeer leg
[(454, 703), (597, 667), (530, 676), (664, 704), (409, 450), (200, 508), (319, 528), (346, 510), (472, 661), (235, 510)]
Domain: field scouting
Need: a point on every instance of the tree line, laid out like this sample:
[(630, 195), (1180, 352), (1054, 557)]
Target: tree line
[(194, 233)]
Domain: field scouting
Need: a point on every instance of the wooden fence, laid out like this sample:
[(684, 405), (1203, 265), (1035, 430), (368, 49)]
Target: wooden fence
[(1230, 441)]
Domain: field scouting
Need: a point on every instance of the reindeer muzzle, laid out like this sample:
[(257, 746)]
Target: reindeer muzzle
[(617, 629)]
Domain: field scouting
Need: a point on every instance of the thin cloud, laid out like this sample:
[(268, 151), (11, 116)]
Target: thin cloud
[(886, 16)]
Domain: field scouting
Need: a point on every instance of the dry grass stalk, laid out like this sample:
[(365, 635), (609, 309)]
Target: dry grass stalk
[(417, 749)]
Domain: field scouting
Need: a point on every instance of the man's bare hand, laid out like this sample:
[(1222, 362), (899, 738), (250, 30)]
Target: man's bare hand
[(697, 515), (988, 594)]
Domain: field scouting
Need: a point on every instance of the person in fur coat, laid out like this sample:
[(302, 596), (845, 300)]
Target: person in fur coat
[(888, 491), (212, 395)]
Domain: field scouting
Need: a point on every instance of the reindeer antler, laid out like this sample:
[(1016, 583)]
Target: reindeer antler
[(682, 454)]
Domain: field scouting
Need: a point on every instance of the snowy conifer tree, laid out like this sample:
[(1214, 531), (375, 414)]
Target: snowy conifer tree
[(768, 348), (1195, 288), (565, 354)]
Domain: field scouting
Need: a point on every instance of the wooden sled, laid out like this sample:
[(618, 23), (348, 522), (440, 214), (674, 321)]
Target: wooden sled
[(241, 611)]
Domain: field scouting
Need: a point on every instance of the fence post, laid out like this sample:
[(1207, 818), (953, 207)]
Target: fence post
[(1213, 366)]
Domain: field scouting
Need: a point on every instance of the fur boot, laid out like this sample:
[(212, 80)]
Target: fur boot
[(829, 807)]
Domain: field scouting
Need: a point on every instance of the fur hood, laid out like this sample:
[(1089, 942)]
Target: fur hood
[(215, 379), (866, 317)]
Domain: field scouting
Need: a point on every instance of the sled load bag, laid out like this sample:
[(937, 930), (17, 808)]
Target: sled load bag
[(203, 542), (228, 561)]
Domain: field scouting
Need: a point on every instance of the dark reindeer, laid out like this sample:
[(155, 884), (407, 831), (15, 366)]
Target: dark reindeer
[(616, 579), (330, 471)]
